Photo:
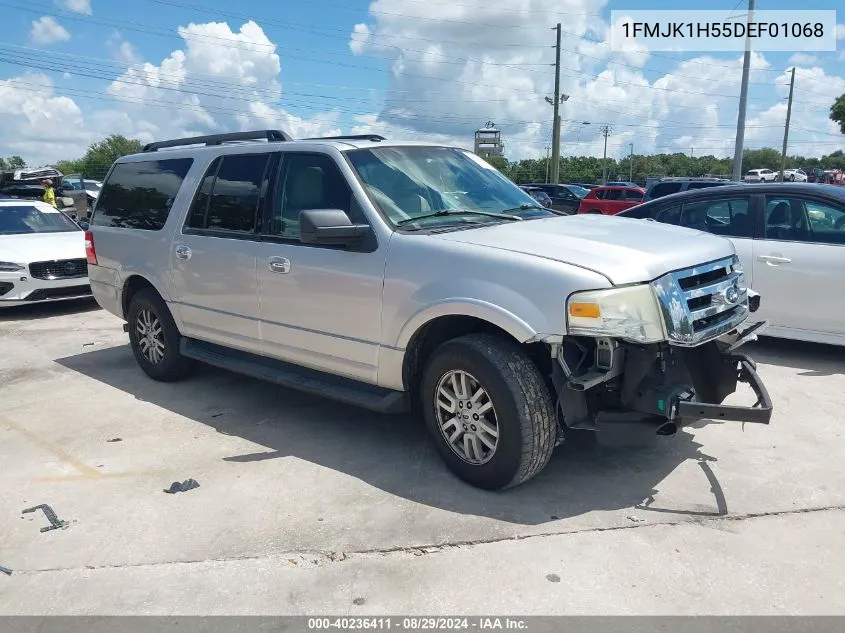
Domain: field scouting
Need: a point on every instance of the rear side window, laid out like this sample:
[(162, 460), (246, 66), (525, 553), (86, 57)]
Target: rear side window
[(633, 194), (227, 199), (139, 195), (664, 189)]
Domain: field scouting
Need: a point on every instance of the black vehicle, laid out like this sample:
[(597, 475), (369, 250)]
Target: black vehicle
[(667, 186), (539, 195), (814, 174), (583, 185), (565, 198)]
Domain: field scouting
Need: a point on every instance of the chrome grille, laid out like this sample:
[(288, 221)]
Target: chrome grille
[(703, 302), (59, 269)]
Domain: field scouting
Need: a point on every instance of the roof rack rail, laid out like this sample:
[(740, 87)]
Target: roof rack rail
[(350, 137), (218, 139)]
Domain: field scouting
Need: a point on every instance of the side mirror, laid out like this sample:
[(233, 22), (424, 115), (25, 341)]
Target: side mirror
[(330, 227)]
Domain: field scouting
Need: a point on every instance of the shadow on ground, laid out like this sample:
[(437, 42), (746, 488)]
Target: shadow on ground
[(48, 309), (393, 453), (814, 358)]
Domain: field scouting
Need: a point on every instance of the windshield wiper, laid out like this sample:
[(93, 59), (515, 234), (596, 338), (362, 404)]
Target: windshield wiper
[(448, 212), (525, 207)]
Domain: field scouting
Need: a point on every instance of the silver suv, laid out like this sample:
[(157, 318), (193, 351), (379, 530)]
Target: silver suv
[(410, 276)]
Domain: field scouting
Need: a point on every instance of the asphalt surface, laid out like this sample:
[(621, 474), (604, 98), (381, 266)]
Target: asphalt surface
[(310, 507)]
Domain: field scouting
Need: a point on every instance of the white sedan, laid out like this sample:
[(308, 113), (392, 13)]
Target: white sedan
[(42, 254)]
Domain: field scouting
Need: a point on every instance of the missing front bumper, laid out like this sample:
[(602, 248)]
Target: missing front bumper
[(687, 411)]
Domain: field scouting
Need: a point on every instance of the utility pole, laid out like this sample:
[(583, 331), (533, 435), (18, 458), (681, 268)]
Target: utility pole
[(555, 175), (606, 130), (786, 129), (743, 100), (548, 148), (631, 164)]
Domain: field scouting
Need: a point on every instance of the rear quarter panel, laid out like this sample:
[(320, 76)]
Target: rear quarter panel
[(123, 253)]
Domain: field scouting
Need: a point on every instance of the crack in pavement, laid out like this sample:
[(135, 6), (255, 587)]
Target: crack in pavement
[(306, 559)]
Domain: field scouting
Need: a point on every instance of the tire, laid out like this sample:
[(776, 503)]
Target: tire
[(147, 310), (521, 411)]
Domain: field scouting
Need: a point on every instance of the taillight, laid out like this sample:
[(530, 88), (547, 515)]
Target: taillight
[(90, 251)]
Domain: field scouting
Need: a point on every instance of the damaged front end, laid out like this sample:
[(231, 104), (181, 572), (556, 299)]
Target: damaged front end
[(662, 386)]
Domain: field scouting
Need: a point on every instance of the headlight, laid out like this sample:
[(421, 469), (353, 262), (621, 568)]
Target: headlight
[(10, 267), (631, 313)]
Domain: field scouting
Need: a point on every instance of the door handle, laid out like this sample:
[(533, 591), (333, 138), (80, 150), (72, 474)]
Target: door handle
[(183, 252), (773, 259), (279, 265)]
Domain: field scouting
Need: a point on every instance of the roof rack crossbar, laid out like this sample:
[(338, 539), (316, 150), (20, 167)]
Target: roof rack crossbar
[(350, 137), (218, 139)]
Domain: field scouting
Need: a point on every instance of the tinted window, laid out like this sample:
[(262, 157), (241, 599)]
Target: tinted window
[(139, 195), (797, 219), (233, 202), (307, 181), (632, 194), (669, 215), (196, 219), (664, 189), (614, 194), (728, 217)]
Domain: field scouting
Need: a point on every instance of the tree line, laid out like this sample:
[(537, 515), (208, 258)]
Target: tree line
[(588, 169)]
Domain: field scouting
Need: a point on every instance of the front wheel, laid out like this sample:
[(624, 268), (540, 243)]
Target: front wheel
[(489, 411)]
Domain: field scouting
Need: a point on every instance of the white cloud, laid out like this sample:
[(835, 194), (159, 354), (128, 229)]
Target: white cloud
[(359, 38), (77, 6), (840, 31), (38, 124), (803, 59), (45, 30), (127, 53)]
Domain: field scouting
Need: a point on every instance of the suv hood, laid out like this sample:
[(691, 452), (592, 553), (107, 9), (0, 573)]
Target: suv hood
[(625, 250)]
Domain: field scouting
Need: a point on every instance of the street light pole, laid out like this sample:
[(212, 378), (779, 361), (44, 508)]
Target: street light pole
[(605, 129), (743, 100), (548, 148), (631, 164), (786, 129)]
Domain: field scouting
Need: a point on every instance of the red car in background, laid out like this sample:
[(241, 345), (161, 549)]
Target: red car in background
[(611, 200)]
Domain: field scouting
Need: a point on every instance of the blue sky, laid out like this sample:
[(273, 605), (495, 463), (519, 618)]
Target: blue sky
[(72, 71)]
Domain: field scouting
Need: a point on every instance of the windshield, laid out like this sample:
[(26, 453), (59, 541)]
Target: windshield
[(578, 191), (94, 186), (410, 182), (21, 219)]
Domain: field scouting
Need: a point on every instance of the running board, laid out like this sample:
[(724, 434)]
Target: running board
[(292, 376)]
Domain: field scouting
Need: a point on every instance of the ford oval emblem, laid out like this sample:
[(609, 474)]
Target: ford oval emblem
[(731, 295)]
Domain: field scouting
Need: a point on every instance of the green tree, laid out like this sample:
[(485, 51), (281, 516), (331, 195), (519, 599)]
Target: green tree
[(67, 167), (13, 162), (100, 156), (837, 112), (499, 162)]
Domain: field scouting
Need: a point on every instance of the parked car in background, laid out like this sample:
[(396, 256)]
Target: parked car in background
[(539, 195), (790, 239), (620, 183), (583, 185), (667, 186), (75, 182), (760, 175), (611, 200), (565, 198), (814, 174), (794, 175), (42, 253)]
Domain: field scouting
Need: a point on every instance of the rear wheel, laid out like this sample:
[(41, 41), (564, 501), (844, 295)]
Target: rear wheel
[(489, 411), (154, 338)]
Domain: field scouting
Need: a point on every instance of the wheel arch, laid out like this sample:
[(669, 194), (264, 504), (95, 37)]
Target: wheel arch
[(131, 285), (435, 331)]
